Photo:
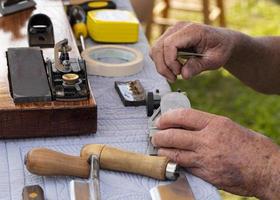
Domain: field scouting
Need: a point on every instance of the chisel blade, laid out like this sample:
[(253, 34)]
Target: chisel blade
[(79, 190), (87, 189), (179, 190)]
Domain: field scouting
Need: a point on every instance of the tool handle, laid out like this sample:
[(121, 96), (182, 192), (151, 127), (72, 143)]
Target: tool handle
[(46, 162), (119, 160)]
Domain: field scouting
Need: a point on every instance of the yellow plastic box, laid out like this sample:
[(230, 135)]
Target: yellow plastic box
[(113, 26)]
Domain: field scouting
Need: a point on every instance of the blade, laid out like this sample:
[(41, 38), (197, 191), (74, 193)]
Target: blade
[(179, 190), (79, 190), (87, 189)]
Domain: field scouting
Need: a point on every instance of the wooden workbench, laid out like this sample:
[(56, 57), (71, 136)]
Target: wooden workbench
[(40, 119)]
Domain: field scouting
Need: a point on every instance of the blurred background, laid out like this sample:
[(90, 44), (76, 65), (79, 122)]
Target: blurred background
[(218, 91)]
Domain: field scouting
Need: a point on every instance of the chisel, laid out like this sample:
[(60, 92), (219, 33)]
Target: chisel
[(46, 162)]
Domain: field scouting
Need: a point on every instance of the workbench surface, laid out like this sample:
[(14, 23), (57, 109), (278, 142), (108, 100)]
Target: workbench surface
[(117, 126)]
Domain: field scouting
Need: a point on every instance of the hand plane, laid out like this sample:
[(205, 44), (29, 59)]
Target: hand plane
[(67, 76), (169, 101)]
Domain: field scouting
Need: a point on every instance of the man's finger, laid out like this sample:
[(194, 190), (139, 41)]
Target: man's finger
[(190, 119), (158, 58), (173, 65), (176, 138), (157, 54), (181, 157), (187, 37)]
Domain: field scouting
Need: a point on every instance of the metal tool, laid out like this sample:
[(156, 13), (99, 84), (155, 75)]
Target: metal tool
[(184, 55), (169, 101), (179, 190), (67, 76), (77, 17), (131, 93), (87, 190), (12, 6)]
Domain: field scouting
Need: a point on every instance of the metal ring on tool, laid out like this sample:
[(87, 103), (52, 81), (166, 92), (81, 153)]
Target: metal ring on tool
[(113, 60)]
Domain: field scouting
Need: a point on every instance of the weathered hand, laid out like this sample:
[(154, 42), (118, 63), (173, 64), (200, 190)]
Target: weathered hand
[(156, 53), (216, 43), (218, 150)]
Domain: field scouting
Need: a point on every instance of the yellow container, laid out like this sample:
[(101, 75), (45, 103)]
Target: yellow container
[(113, 26)]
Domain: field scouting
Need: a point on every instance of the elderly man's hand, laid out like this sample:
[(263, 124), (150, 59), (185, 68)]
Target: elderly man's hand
[(216, 43), (218, 150)]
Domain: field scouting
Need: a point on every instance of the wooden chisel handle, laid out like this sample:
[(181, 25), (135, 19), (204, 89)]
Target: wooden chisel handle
[(46, 162), (119, 160)]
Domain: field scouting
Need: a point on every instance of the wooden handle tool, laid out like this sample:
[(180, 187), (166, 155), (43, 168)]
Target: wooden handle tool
[(47, 162), (111, 158)]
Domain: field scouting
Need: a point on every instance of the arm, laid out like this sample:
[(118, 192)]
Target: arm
[(254, 61), (272, 191), (218, 150)]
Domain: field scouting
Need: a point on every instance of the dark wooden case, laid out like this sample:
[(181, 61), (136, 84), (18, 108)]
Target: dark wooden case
[(40, 119)]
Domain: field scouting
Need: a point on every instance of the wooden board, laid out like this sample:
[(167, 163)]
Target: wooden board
[(40, 119)]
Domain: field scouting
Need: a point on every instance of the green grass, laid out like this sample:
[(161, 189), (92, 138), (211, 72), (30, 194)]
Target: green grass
[(219, 92)]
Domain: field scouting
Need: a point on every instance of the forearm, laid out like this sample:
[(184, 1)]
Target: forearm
[(256, 62), (272, 188)]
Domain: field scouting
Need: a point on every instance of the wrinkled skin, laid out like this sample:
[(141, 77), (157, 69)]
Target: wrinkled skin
[(217, 45), (219, 151)]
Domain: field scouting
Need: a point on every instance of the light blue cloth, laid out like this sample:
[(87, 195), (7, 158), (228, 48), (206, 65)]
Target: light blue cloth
[(118, 126)]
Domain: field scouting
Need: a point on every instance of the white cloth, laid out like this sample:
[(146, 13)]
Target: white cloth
[(117, 125)]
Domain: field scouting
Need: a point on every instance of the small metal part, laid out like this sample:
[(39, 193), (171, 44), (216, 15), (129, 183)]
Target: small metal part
[(131, 93), (40, 31), (70, 78), (12, 6), (187, 55), (152, 102), (184, 55), (172, 172), (33, 192), (64, 48)]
